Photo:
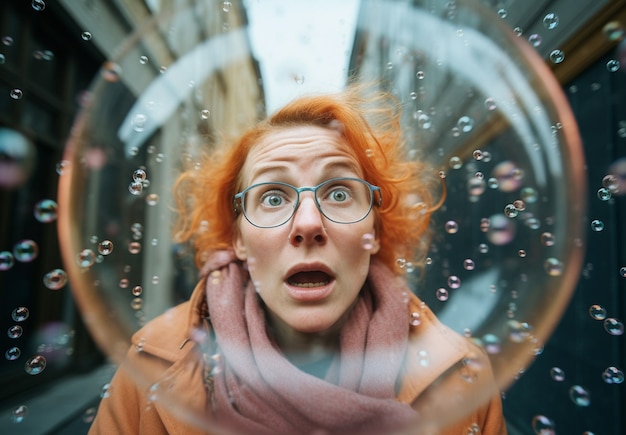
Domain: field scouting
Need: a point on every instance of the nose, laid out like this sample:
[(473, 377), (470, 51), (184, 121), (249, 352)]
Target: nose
[(307, 223)]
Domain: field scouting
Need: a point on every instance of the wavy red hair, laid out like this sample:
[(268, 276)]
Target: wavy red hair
[(370, 125)]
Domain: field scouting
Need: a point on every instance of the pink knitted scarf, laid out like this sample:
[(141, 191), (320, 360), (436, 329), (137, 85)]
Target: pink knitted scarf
[(260, 391)]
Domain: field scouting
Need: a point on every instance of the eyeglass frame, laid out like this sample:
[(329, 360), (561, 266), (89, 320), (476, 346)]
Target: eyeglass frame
[(239, 208)]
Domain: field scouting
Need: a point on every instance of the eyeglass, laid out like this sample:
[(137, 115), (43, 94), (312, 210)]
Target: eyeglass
[(340, 200)]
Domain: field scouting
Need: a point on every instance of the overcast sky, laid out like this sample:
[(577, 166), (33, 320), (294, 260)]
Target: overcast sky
[(303, 46)]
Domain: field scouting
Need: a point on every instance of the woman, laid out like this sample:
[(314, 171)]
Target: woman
[(302, 321)]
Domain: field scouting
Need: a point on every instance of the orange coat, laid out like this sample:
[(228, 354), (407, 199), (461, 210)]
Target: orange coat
[(446, 377)]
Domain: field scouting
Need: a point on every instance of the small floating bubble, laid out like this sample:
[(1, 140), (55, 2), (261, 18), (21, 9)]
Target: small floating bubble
[(442, 294), (46, 210), (35, 365), (551, 21), (55, 279), (85, 258), (137, 291), (611, 182), (455, 162), (622, 271), (502, 13), (19, 414), (105, 247), (597, 225), (139, 175), (510, 211), (367, 241), (134, 247), (15, 331), (613, 326), (451, 227), (38, 5), (553, 267), (205, 114), (580, 396), (25, 251), (20, 314), (135, 187), (12, 353), (614, 31), (454, 282), (465, 124), (6, 260), (547, 239), (111, 72), (557, 56), (597, 312), (613, 65), (542, 425), (604, 194), (557, 374), (86, 36), (535, 40), (143, 60), (490, 104), (613, 375), (16, 94), (152, 199), (415, 319), (468, 264)]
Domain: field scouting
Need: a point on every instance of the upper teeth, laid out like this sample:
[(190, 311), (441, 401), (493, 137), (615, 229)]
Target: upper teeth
[(309, 284)]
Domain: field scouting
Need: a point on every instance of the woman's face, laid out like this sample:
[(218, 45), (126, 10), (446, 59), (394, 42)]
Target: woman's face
[(308, 271)]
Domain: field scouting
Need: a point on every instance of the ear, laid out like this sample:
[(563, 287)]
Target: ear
[(239, 247)]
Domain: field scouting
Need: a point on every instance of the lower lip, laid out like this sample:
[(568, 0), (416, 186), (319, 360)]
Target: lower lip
[(312, 294)]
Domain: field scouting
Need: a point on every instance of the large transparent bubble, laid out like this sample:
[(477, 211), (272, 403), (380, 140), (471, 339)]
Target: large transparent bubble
[(479, 105)]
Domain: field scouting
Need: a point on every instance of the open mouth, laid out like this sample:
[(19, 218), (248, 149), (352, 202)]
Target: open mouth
[(309, 279)]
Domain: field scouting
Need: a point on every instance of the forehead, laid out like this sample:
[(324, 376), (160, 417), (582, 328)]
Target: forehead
[(297, 147)]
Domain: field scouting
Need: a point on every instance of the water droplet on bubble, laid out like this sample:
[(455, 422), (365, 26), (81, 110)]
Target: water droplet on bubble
[(451, 227), (553, 267), (557, 56), (557, 374), (19, 414), (547, 239), (46, 210), (613, 375), (510, 211), (455, 162), (542, 425), (85, 258), (35, 365), (105, 247), (86, 36), (551, 21), (580, 396), (6, 260), (613, 326), (597, 312), (15, 331), (597, 225), (613, 65), (134, 247), (442, 294), (604, 194), (12, 353), (25, 251), (55, 279), (465, 124), (454, 282), (535, 40), (16, 94)]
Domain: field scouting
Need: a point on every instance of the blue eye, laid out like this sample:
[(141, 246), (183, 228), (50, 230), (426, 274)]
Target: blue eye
[(340, 194), (272, 199)]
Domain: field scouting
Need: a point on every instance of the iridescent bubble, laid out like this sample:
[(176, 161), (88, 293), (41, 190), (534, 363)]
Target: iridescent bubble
[(597, 312), (6, 260), (15, 331), (508, 175), (111, 72), (551, 21), (135, 187), (611, 182), (105, 247), (542, 425), (134, 247), (7, 40), (613, 326), (547, 239), (86, 36), (139, 175), (465, 124), (491, 343), (16, 94), (604, 194), (529, 195), (19, 414), (20, 314), (580, 396), (518, 331), (614, 31), (553, 267), (442, 294), (519, 205), (85, 258), (454, 282), (535, 40), (25, 251), (55, 279), (510, 211), (13, 353), (557, 374), (557, 56), (468, 264), (485, 224), (613, 375), (46, 210), (451, 227), (455, 162), (476, 186), (501, 230), (597, 225), (613, 65), (35, 365)]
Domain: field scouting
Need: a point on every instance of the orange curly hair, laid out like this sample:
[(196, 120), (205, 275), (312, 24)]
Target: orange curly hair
[(369, 125)]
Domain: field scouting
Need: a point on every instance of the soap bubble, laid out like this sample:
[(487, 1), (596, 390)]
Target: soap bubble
[(151, 116)]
